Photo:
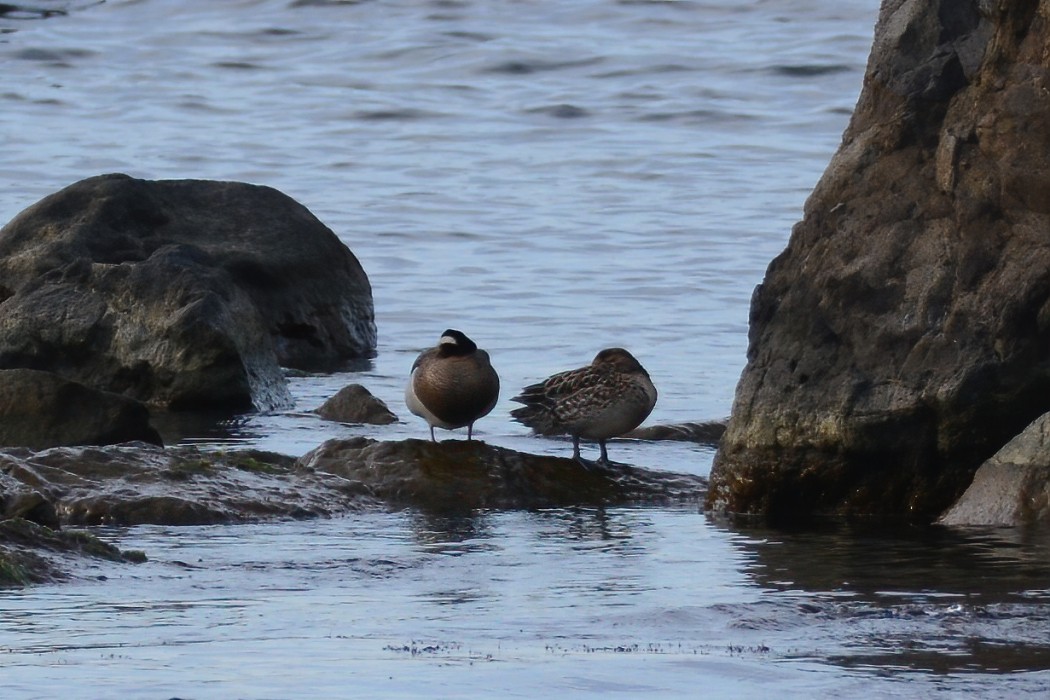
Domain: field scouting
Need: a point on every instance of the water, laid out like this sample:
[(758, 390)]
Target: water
[(626, 602), (551, 178)]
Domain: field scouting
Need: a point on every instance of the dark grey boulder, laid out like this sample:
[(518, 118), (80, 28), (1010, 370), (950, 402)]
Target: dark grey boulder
[(1013, 487), (356, 404), (904, 334), (40, 409), (179, 293)]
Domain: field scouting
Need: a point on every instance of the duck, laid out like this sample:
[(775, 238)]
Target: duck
[(605, 399), (452, 384)]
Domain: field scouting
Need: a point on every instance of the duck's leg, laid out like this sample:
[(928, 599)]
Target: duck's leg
[(585, 463), (470, 431), (604, 459), (432, 438)]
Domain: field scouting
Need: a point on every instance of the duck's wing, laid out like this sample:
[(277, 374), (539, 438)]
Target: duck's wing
[(422, 357), (552, 388), (586, 394)]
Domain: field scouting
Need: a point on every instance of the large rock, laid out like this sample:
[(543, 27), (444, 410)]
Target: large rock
[(904, 334), (1013, 487), (180, 293), (40, 409)]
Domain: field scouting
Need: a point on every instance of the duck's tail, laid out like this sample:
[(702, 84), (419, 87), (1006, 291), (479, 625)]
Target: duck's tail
[(537, 411)]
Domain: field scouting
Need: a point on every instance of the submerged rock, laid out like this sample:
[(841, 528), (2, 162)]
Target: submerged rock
[(904, 334), (463, 475), (179, 293), (705, 433), (1013, 487), (39, 409), (34, 553), (356, 404)]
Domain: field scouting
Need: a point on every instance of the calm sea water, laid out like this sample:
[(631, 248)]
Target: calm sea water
[(551, 178)]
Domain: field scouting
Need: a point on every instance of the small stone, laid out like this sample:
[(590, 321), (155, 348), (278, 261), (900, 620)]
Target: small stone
[(356, 404)]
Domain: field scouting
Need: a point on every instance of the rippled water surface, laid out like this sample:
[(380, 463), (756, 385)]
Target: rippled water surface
[(551, 178), (585, 603)]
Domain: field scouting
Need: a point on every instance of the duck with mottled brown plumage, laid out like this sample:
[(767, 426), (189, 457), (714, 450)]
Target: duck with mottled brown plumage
[(452, 384), (609, 397)]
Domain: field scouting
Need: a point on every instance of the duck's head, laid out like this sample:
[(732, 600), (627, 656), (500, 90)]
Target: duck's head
[(454, 342), (618, 358)]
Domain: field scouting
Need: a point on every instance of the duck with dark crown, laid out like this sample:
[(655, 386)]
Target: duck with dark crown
[(607, 398), (452, 384)]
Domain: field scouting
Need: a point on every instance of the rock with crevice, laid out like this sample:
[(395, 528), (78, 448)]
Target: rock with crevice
[(904, 334), (182, 294)]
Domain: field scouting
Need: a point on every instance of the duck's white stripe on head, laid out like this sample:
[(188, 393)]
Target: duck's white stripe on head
[(448, 340)]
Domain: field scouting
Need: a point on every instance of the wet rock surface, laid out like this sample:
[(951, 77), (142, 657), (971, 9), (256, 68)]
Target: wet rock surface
[(356, 404), (136, 483), (179, 293), (703, 432), (462, 475), (139, 483), (34, 553), (40, 409), (903, 336)]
